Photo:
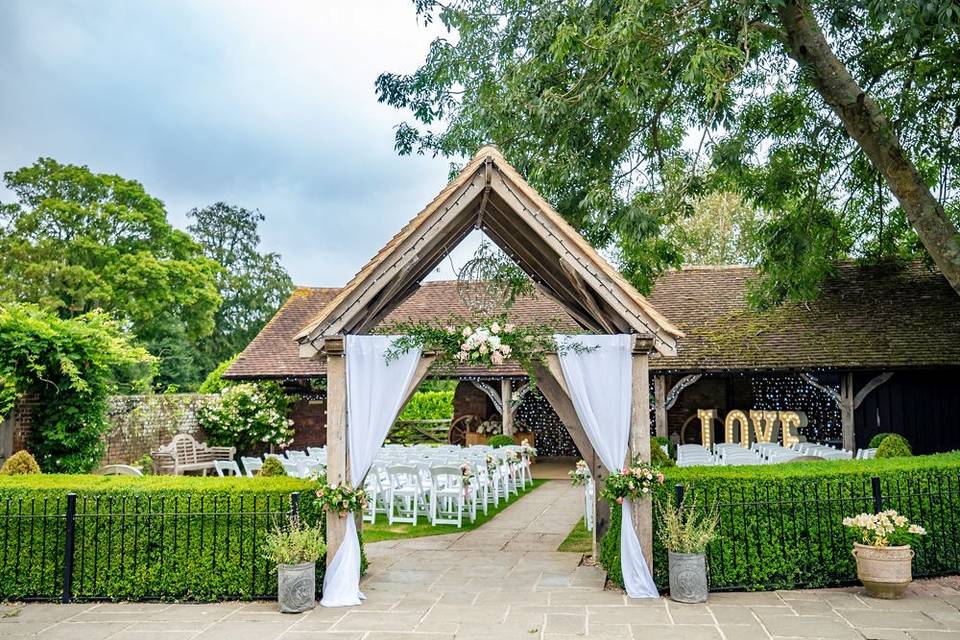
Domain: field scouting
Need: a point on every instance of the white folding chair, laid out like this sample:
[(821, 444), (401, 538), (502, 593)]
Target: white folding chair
[(251, 465), (448, 496), (404, 493), (226, 468)]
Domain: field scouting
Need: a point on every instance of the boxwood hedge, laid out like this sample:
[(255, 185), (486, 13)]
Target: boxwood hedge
[(780, 525), (174, 538)]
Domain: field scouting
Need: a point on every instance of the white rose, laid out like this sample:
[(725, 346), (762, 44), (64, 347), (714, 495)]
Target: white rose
[(496, 358), (483, 349), (494, 342), (495, 327), (466, 332), (505, 349)]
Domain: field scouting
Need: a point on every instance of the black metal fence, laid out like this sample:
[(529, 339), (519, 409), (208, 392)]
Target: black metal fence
[(139, 547), (782, 535)]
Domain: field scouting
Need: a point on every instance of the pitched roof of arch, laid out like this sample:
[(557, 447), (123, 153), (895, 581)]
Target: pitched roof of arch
[(490, 194)]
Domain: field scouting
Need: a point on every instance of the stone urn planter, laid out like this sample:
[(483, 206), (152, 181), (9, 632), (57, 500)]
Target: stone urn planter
[(296, 587), (885, 572), (688, 577)]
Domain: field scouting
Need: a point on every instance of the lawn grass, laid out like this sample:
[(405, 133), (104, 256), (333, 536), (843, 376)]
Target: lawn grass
[(579, 540), (382, 530)]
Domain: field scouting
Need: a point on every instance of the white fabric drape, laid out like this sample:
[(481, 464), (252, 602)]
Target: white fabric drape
[(375, 393), (600, 378)]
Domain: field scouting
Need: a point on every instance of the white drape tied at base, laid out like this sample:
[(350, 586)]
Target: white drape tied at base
[(375, 393), (599, 377)]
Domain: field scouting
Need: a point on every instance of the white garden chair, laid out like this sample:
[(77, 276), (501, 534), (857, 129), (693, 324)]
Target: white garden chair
[(226, 468), (404, 493), (448, 496), (251, 465)]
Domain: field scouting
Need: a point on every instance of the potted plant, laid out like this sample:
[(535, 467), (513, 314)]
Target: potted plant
[(295, 548), (882, 547), (685, 532)]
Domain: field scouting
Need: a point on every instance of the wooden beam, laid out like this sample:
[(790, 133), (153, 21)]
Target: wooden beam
[(640, 448), (868, 388), (337, 461), (660, 402), (506, 412), (553, 388), (846, 411), (590, 302)]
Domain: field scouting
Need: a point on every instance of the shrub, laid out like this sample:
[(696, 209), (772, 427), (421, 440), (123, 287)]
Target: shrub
[(214, 382), (500, 441), (72, 366), (429, 405), (877, 439), (183, 538), (271, 468), (658, 458), (686, 528), (295, 543), (781, 525), (19, 464), (249, 415), (894, 446), (663, 440)]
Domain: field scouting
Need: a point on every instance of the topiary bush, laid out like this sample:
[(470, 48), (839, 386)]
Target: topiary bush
[(19, 464), (780, 525), (500, 440), (180, 538), (877, 439), (894, 446), (658, 458), (271, 468), (663, 440)]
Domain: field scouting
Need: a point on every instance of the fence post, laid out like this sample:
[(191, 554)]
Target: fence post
[(68, 546), (877, 496), (678, 494), (295, 504)]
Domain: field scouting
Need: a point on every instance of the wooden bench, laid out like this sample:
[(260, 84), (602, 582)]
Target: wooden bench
[(185, 454)]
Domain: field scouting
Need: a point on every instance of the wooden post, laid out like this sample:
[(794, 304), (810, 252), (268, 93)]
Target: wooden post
[(660, 400), (846, 411), (337, 457), (506, 414), (640, 442)]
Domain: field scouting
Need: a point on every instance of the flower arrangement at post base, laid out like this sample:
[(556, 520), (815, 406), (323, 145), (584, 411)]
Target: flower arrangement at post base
[(885, 529), (527, 450), (580, 475), (632, 483), (340, 498)]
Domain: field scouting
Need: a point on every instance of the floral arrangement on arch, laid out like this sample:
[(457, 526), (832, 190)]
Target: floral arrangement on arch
[(487, 342), (580, 475), (885, 529), (341, 498), (635, 481)]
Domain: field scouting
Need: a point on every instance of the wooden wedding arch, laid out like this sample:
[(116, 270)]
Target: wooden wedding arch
[(489, 194)]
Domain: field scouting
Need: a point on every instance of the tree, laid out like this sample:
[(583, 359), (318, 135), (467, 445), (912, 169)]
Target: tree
[(624, 112), (253, 285), (72, 365), (720, 230), (75, 241)]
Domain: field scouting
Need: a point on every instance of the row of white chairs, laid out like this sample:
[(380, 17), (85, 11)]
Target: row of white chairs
[(733, 454)]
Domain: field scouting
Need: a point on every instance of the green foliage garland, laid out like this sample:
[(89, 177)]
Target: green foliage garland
[(72, 366)]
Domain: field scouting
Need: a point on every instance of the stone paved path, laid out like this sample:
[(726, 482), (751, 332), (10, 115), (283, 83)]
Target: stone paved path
[(505, 580)]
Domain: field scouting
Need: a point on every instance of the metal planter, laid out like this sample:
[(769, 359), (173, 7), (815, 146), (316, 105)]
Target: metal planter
[(688, 577), (296, 587)]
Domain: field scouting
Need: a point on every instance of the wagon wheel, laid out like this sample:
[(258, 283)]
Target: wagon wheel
[(460, 427)]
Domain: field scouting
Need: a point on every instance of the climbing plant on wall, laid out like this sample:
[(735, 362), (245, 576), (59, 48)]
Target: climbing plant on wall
[(71, 365)]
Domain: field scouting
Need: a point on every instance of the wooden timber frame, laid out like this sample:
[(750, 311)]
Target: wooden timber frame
[(489, 194)]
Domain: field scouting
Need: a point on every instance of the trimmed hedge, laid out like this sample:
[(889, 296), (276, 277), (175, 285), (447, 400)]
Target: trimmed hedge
[(780, 525), (166, 537)]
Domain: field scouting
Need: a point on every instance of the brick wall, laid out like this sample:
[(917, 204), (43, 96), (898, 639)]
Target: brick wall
[(143, 423), (309, 417)]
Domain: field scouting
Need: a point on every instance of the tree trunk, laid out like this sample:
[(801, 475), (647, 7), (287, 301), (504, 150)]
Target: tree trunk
[(867, 125)]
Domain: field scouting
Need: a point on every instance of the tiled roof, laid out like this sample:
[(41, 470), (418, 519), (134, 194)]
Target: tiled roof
[(864, 318)]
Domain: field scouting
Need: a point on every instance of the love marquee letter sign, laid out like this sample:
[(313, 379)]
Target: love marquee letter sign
[(759, 425)]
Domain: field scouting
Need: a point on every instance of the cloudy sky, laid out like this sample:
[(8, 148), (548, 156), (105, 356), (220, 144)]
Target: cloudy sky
[(268, 105)]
